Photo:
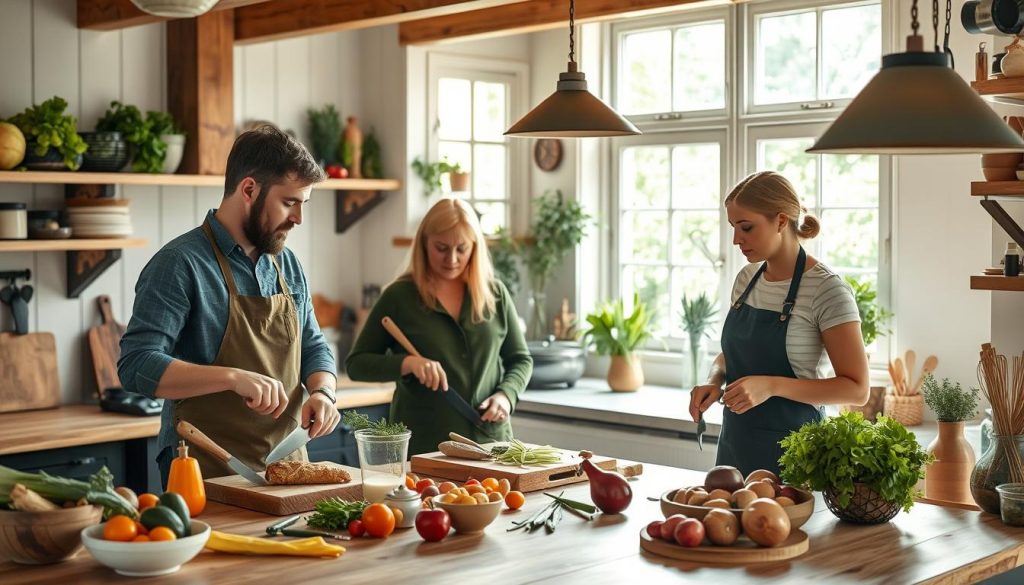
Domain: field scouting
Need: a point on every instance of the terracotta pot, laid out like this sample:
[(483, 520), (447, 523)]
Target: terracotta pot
[(948, 478), (1001, 159), (459, 181), (625, 373), (999, 173)]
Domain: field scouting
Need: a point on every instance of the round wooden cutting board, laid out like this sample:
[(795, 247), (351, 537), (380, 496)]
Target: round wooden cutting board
[(743, 551)]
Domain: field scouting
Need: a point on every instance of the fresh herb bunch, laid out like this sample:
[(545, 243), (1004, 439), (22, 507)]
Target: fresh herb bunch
[(99, 490), (142, 133), (872, 316), (949, 401), (698, 317), (325, 134), (49, 127), (381, 428), (335, 513), (834, 454), (612, 332)]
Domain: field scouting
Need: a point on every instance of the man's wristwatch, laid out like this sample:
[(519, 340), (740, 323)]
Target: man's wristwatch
[(326, 391)]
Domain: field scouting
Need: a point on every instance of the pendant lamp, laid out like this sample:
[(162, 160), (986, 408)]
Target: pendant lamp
[(175, 8), (572, 111), (917, 104)]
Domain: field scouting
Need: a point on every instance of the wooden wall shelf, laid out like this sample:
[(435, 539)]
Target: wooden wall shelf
[(87, 259), (79, 178), (70, 245), (1006, 87), (1007, 283), (997, 188)]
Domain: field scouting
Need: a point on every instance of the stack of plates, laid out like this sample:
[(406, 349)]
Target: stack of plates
[(994, 271), (99, 218)]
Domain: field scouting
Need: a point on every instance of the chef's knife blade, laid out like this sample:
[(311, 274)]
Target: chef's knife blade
[(701, 428), (295, 440), (196, 437)]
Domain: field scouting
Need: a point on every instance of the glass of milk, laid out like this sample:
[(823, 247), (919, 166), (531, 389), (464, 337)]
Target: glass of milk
[(382, 462)]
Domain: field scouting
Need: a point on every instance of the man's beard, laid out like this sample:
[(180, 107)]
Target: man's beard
[(267, 241)]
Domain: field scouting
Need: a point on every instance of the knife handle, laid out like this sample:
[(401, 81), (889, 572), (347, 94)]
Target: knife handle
[(400, 337), (197, 438)]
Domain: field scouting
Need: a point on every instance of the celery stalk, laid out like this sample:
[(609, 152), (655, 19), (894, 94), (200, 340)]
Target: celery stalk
[(98, 491)]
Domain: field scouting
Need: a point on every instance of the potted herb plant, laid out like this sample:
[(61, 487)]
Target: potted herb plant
[(873, 319), (147, 149), (698, 317), (948, 477), (325, 134), (458, 179), (866, 471), (164, 127), (431, 173), (613, 332), (52, 140)]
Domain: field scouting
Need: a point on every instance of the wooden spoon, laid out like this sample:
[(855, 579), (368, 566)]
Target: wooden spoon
[(901, 376), (930, 363), (911, 359), (892, 376)]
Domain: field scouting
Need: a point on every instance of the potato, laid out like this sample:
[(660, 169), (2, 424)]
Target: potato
[(763, 490), (721, 527), (742, 498), (784, 501), (697, 499), (718, 503), (719, 495)]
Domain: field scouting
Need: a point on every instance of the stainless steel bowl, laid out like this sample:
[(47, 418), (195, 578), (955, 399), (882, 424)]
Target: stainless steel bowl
[(556, 364)]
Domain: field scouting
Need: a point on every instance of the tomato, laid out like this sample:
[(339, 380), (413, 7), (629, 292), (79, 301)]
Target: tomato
[(471, 481), (424, 484), (120, 528), (333, 171), (342, 173), (379, 520), (162, 533), (433, 525), (141, 538), (148, 500), (356, 528), (140, 529), (515, 500)]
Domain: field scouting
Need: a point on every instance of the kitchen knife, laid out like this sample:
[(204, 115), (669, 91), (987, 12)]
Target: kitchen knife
[(295, 440), (454, 398), (702, 427), (197, 438)]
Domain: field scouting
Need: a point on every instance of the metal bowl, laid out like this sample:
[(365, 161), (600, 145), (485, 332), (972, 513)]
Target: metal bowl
[(556, 364)]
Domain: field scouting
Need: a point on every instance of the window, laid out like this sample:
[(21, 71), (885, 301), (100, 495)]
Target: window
[(671, 235), (472, 104)]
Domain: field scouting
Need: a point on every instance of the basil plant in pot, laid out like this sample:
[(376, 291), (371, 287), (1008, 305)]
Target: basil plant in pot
[(873, 319), (866, 471), (52, 140), (613, 332), (948, 477)]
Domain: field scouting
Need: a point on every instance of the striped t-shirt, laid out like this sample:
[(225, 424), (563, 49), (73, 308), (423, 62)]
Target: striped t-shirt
[(823, 301)]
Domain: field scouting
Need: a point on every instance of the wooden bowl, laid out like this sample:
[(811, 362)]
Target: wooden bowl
[(35, 538), (999, 173), (798, 513), (1001, 159), (471, 518)]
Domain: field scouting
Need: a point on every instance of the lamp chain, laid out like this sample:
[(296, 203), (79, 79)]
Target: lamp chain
[(945, 41), (913, 18), (935, 23), (572, 31)]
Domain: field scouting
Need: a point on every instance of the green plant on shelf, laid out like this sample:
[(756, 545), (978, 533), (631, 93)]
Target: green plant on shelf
[(46, 126), (141, 132)]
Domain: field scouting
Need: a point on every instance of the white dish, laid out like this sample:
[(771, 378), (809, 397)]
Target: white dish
[(88, 221), (97, 210), (144, 559)]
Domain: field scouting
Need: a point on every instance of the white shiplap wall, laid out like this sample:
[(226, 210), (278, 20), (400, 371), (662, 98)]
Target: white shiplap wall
[(45, 54)]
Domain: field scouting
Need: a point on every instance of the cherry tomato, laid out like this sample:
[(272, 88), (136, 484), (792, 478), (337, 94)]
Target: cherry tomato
[(356, 528), (162, 533), (120, 528), (147, 500)]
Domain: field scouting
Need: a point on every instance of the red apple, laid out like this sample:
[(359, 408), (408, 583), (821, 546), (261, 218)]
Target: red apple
[(790, 492), (433, 525), (689, 532), (668, 527), (654, 528)]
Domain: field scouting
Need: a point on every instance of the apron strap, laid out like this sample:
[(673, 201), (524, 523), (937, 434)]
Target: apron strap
[(224, 267), (280, 277), (794, 285), (750, 286)]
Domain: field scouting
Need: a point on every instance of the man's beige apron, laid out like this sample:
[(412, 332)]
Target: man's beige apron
[(261, 336)]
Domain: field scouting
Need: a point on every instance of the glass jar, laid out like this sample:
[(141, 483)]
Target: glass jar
[(382, 462), (13, 221), (538, 326), (1001, 463)]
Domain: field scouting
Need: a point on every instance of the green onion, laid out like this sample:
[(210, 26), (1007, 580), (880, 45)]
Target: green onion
[(518, 453)]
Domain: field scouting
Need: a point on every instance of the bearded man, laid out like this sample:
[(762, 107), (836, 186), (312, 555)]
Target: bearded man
[(222, 326)]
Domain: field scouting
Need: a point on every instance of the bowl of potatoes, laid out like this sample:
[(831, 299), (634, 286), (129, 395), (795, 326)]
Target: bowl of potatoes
[(726, 488)]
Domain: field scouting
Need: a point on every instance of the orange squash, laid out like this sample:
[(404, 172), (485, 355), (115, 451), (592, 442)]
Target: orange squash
[(186, 480)]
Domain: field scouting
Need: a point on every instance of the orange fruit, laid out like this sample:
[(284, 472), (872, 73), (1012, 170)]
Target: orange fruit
[(141, 538), (399, 515), (379, 520), (121, 528), (147, 500), (515, 500), (162, 533), (410, 481), (490, 484)]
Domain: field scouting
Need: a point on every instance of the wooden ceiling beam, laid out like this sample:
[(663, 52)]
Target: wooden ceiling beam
[(282, 19), (118, 14), (532, 16)]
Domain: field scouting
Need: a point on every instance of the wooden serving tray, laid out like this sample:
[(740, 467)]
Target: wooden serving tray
[(743, 551)]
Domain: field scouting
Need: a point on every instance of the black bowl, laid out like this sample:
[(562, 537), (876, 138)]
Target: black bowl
[(107, 153), (556, 364), (51, 161)]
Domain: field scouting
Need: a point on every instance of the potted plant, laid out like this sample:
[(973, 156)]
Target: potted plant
[(949, 476), (325, 134), (873, 319), (458, 179), (698, 316), (164, 127), (613, 332), (147, 149), (52, 140), (866, 471), (431, 174)]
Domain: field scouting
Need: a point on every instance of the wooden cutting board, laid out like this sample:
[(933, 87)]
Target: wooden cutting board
[(280, 500), (524, 479), (28, 372), (105, 346)]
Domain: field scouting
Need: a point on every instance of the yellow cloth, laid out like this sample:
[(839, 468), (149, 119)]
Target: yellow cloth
[(305, 547)]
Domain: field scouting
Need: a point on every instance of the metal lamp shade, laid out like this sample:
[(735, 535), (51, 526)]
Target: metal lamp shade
[(572, 112), (175, 8), (917, 104)]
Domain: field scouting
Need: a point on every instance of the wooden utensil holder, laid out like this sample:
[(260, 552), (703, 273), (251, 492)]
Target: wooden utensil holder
[(906, 410)]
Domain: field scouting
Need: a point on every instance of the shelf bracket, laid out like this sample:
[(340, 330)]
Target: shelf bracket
[(351, 206), (1004, 220), (85, 266)]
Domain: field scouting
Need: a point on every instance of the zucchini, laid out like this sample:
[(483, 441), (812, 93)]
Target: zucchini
[(163, 516), (176, 502)]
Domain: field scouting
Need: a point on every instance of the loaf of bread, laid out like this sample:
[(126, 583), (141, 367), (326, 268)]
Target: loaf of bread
[(304, 472)]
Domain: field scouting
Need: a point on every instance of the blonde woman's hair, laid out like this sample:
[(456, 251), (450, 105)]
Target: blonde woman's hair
[(770, 194), (446, 215)]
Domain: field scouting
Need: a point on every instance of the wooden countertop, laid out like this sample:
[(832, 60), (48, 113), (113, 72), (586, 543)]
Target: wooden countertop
[(931, 544), (86, 424)]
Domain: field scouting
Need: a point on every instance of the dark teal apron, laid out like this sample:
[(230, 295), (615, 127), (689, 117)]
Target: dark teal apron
[(754, 344)]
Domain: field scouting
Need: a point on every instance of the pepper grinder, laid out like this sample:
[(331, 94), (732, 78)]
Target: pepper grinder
[(981, 63)]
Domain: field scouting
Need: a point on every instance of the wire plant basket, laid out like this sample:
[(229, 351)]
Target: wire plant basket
[(866, 506)]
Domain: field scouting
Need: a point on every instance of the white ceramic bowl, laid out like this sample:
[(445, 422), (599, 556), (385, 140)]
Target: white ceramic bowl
[(144, 559)]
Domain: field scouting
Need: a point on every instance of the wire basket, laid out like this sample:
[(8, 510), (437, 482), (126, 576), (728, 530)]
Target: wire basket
[(866, 506), (906, 410)]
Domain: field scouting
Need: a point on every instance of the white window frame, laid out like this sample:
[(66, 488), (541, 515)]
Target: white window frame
[(513, 73)]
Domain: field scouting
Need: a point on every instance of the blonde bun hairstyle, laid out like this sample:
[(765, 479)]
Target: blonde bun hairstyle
[(770, 194)]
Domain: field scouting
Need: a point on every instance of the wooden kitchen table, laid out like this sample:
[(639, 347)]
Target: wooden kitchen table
[(931, 544)]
